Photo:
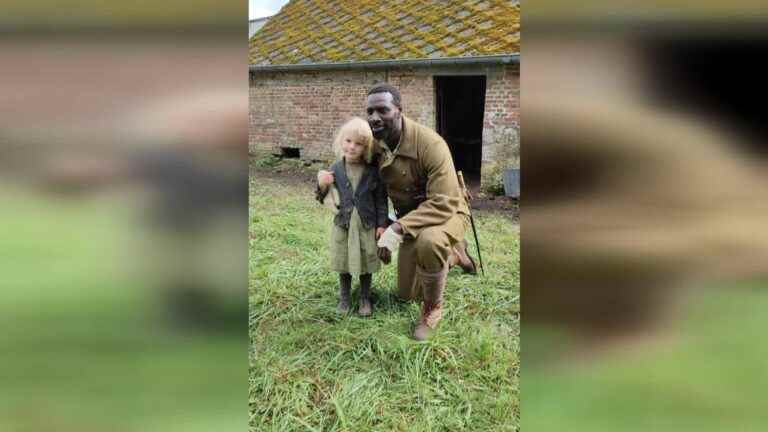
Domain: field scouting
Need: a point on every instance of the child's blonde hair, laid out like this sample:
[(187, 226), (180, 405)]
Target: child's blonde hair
[(357, 129)]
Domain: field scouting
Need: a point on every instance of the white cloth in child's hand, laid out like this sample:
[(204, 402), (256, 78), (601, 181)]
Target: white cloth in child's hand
[(324, 178), (390, 239), (332, 200)]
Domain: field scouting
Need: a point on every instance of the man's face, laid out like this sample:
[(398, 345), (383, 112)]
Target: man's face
[(383, 116)]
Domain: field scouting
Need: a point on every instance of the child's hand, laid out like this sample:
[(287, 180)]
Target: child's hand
[(379, 232), (324, 178)]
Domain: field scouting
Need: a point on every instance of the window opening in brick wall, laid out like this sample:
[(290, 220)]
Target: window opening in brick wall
[(460, 106), (290, 152)]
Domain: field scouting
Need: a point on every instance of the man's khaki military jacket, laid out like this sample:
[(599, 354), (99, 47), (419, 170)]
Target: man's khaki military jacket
[(421, 179)]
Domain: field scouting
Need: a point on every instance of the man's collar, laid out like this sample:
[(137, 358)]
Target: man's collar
[(407, 145)]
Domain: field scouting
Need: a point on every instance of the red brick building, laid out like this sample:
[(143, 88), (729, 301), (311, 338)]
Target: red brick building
[(456, 64)]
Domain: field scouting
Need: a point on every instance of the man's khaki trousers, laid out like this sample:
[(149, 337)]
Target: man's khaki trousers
[(430, 251)]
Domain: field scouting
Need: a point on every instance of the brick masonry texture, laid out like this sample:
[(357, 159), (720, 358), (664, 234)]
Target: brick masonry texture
[(304, 109), (502, 114)]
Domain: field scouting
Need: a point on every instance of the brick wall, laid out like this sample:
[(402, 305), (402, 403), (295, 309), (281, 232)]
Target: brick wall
[(417, 91), (304, 109), (501, 125), (502, 115)]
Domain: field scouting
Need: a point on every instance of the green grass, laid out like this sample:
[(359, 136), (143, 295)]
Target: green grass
[(311, 369), (705, 373), (81, 348), (269, 161)]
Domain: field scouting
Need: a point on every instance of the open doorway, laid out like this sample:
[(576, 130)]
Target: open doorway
[(460, 106), (728, 90)]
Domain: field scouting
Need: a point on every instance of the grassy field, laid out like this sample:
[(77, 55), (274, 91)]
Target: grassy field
[(313, 370), (705, 372), (82, 347)]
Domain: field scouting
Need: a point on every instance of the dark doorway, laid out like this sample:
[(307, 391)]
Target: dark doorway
[(729, 87), (460, 106)]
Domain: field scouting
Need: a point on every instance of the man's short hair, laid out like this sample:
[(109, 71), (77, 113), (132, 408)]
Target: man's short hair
[(387, 88)]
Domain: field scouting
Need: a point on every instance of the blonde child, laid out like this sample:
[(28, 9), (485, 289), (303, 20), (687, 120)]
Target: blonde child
[(361, 214)]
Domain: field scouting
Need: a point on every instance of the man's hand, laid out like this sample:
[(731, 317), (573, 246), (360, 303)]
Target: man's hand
[(391, 238), (384, 255), (468, 195), (324, 178)]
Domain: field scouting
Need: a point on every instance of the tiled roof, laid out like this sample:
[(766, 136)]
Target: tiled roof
[(332, 31)]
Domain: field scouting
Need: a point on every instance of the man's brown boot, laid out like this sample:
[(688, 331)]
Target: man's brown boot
[(460, 256), (345, 286), (433, 285), (365, 295)]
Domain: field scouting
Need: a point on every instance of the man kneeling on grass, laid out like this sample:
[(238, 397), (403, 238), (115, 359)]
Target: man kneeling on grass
[(432, 213)]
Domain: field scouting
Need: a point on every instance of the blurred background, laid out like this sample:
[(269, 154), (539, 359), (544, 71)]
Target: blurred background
[(123, 183), (644, 261)]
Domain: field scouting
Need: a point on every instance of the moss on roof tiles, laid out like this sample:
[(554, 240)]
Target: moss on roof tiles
[(318, 31)]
